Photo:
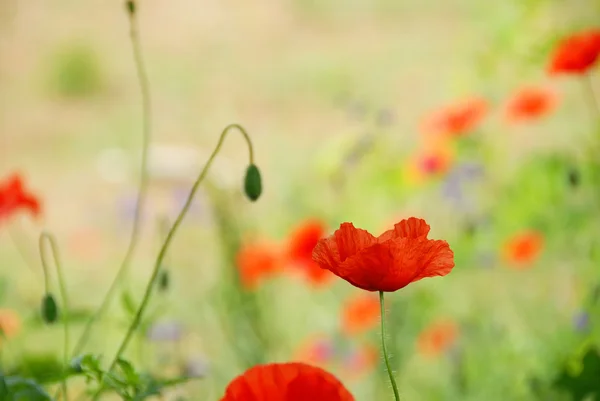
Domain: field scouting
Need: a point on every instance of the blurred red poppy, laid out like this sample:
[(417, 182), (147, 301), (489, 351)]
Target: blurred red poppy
[(360, 314), (524, 248), (10, 323), (14, 197), (576, 54), (437, 338), (458, 119), (360, 360), (316, 350), (393, 260), (257, 261), (531, 103), (286, 382), (302, 241)]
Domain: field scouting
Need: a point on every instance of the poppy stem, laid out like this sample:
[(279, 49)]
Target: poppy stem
[(165, 246), (384, 348), (45, 236), (593, 99), (143, 183)]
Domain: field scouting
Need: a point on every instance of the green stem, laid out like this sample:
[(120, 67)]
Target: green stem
[(143, 184), (593, 99), (383, 346), (163, 251), (20, 247), (45, 236)]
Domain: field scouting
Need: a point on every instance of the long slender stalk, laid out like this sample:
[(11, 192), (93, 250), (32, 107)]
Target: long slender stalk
[(45, 236), (163, 251), (592, 97), (384, 348), (143, 183)]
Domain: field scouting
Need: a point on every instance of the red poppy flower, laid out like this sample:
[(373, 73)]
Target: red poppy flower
[(437, 338), (576, 54), (389, 262), (257, 261), (13, 197), (458, 119), (286, 382), (360, 313), (302, 241), (524, 248), (530, 103)]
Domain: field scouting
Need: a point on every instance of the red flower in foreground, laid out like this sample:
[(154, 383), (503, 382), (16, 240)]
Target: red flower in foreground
[(301, 244), (13, 197), (576, 54), (389, 262), (531, 103), (360, 313), (286, 382), (458, 119), (437, 338), (524, 248), (257, 261)]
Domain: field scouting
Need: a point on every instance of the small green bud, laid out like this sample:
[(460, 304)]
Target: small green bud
[(253, 183), (164, 281), (131, 7), (49, 309), (574, 178)]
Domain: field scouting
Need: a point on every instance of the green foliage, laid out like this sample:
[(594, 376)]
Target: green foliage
[(15, 388), (75, 72), (43, 368)]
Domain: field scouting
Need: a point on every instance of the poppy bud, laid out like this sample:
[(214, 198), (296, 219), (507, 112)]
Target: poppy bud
[(131, 7), (164, 281), (574, 178), (253, 183), (49, 309)]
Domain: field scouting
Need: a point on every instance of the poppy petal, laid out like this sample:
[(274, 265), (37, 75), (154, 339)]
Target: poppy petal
[(407, 228)]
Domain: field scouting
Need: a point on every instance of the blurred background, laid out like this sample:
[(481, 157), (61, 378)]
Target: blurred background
[(343, 101)]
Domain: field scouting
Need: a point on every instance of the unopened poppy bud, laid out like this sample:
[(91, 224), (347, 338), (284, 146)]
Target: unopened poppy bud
[(49, 309), (574, 178), (253, 183), (131, 7), (164, 281)]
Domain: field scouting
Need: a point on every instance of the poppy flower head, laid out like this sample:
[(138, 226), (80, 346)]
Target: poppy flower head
[(10, 324), (531, 103), (257, 261), (286, 382), (360, 314), (524, 248), (437, 338), (393, 260), (302, 241), (14, 197), (458, 119), (576, 54)]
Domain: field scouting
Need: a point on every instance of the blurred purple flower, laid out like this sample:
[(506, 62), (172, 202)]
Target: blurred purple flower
[(196, 367), (165, 331), (581, 321), (453, 186)]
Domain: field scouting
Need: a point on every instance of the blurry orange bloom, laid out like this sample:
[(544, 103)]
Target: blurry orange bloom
[(434, 160), (301, 243), (457, 119), (257, 261), (361, 360), (524, 248), (14, 197), (530, 103), (576, 54), (10, 324), (360, 314), (316, 351), (437, 338)]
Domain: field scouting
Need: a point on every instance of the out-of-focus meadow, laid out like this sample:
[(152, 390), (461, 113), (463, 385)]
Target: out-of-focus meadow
[(339, 98)]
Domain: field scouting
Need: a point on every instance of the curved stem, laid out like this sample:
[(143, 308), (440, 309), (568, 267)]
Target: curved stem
[(593, 99), (143, 184), (163, 251), (383, 346), (45, 236)]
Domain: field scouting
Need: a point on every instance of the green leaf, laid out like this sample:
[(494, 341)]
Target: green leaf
[(131, 377), (43, 368), (586, 382), (128, 303), (21, 389)]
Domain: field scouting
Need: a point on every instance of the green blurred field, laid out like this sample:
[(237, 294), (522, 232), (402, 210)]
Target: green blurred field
[(307, 79)]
